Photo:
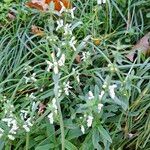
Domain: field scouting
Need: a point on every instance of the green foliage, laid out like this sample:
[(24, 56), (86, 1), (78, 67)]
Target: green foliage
[(26, 83)]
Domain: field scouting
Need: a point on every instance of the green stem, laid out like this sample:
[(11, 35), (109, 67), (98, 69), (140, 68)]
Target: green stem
[(61, 126), (56, 91), (27, 141)]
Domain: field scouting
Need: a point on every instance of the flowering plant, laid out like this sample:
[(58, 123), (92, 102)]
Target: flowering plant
[(66, 88)]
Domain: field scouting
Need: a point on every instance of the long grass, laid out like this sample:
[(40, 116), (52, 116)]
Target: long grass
[(123, 123)]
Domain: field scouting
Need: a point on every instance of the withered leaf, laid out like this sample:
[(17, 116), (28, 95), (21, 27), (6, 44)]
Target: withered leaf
[(44, 4), (143, 46), (41, 108), (11, 16), (36, 30), (78, 59)]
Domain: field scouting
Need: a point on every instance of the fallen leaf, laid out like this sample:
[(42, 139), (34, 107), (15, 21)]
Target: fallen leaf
[(38, 4), (78, 59), (41, 109), (11, 16), (36, 30), (44, 4), (142, 46)]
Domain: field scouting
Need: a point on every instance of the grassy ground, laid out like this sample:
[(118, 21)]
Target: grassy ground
[(47, 103)]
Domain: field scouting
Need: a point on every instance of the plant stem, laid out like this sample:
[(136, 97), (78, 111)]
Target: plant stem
[(56, 91), (61, 126), (27, 141)]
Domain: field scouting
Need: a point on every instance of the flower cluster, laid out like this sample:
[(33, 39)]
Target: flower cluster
[(30, 79), (54, 110), (27, 125), (92, 97), (12, 124), (55, 64), (67, 87), (26, 120)]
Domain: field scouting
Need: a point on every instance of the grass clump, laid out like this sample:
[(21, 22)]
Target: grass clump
[(66, 82)]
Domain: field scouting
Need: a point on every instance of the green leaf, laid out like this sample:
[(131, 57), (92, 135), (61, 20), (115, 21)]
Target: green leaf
[(70, 146), (45, 147), (2, 143), (104, 133), (74, 133), (96, 139)]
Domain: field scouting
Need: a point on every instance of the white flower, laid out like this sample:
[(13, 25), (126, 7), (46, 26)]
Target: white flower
[(130, 135), (27, 125), (23, 114), (90, 95), (11, 122), (26, 128), (100, 107), (67, 87), (89, 121), (104, 1), (63, 8), (32, 96), (67, 29), (72, 43), (61, 60), (71, 11), (99, 2), (33, 108), (101, 95), (104, 85), (33, 77), (60, 24), (59, 92), (28, 68), (28, 122), (27, 79), (82, 129), (11, 137), (111, 90), (58, 52), (85, 56), (51, 119), (41, 90), (54, 104), (49, 65)]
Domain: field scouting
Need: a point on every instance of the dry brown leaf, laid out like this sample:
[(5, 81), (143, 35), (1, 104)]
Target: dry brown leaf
[(11, 16), (78, 59), (36, 30), (143, 46), (41, 109), (44, 4)]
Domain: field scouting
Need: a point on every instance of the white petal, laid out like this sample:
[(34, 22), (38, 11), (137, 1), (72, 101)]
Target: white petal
[(90, 95), (111, 90), (11, 137), (101, 95), (82, 129)]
